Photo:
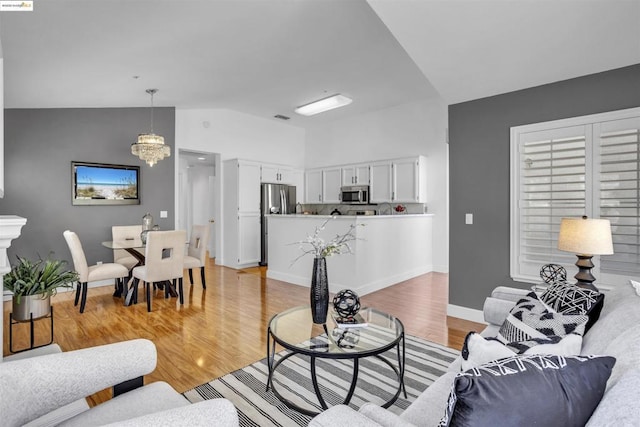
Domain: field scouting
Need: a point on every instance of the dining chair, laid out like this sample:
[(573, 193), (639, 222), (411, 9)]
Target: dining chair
[(197, 252), (91, 273), (125, 234), (164, 260)]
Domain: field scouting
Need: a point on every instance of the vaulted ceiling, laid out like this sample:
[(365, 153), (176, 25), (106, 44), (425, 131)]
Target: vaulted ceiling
[(265, 57)]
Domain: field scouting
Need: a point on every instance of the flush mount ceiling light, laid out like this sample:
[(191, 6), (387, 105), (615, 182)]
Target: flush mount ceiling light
[(324, 104), (150, 147)]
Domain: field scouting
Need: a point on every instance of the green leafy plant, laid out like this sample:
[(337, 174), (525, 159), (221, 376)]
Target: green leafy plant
[(43, 277)]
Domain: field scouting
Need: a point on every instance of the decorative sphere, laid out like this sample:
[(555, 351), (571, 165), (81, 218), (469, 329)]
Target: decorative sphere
[(346, 303), (553, 273)]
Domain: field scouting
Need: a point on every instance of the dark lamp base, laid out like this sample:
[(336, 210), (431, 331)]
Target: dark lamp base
[(584, 277)]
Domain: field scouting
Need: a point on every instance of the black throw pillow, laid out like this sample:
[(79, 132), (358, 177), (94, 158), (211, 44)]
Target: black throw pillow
[(568, 298), (527, 390)]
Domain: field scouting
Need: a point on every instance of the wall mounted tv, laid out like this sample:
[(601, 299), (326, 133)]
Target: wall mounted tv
[(104, 184)]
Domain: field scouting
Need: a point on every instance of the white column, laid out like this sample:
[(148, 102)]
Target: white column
[(10, 228)]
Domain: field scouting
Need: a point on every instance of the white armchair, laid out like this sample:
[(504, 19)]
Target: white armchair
[(33, 387)]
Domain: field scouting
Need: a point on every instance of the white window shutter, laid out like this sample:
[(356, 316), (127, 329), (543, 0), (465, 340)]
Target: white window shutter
[(618, 193)]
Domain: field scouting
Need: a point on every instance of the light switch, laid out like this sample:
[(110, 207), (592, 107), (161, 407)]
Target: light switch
[(163, 214), (468, 218)]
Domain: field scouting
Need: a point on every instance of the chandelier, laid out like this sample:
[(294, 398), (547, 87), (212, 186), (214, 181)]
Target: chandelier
[(150, 147)]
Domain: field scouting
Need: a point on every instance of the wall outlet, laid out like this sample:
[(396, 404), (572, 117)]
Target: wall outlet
[(163, 214), (99, 263), (468, 218)]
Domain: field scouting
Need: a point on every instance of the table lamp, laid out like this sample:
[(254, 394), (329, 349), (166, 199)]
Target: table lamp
[(585, 237)]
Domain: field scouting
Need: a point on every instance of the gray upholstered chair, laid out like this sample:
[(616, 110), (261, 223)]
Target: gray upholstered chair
[(197, 252), (164, 260), (93, 273), (47, 390), (125, 234)]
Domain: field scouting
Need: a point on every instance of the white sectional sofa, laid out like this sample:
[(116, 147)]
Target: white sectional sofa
[(616, 333)]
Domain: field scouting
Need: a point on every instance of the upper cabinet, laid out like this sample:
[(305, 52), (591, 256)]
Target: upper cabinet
[(355, 175), (277, 174), (399, 180), (331, 180), (381, 186), (313, 186), (409, 180)]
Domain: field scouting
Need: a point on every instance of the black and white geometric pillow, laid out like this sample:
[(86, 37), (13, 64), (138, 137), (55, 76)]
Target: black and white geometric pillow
[(571, 299), (530, 320), (528, 390)]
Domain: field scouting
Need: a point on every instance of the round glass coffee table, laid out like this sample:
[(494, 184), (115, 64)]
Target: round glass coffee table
[(295, 331)]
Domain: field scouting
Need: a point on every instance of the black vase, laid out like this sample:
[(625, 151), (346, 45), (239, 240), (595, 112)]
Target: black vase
[(319, 291)]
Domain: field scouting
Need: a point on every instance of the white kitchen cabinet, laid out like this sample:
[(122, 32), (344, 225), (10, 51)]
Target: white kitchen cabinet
[(381, 186), (331, 180), (248, 238), (277, 174), (297, 180), (409, 180), (248, 186), (313, 186), (399, 180), (241, 214), (355, 174)]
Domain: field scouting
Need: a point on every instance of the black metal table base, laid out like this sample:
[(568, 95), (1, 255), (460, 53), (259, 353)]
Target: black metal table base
[(273, 365), (31, 332)]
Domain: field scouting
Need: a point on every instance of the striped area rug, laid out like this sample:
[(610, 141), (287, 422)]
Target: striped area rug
[(425, 362)]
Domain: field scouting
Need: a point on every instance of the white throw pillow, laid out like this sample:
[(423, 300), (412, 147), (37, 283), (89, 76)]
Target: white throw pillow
[(571, 345), (479, 350), (636, 286)]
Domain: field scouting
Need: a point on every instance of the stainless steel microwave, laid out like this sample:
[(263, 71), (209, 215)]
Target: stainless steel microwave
[(355, 194)]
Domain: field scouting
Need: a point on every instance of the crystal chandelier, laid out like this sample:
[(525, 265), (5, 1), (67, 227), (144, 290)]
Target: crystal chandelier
[(150, 147)]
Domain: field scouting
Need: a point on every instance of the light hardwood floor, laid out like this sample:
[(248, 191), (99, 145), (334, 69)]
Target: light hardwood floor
[(224, 328)]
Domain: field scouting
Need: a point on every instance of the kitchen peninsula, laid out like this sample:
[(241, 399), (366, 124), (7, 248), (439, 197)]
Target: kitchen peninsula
[(388, 249)]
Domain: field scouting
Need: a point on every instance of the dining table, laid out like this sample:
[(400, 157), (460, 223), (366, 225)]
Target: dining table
[(136, 248)]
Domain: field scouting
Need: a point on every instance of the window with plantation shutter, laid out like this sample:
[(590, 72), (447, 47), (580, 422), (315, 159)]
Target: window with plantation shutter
[(618, 195), (568, 168)]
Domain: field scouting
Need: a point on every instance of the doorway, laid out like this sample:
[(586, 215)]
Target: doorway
[(199, 193)]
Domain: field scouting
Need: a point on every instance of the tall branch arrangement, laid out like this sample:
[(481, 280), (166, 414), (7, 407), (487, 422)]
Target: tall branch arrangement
[(317, 246)]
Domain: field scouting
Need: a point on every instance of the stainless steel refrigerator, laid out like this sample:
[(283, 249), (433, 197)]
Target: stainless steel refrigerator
[(277, 199)]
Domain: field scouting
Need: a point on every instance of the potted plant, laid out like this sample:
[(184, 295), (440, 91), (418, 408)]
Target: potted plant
[(33, 284)]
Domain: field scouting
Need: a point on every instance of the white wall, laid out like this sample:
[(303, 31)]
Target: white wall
[(234, 135), (405, 130), (238, 135)]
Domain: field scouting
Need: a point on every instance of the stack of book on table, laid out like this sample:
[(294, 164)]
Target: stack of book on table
[(357, 321)]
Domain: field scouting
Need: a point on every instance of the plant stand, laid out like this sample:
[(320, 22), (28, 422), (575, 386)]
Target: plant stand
[(31, 331)]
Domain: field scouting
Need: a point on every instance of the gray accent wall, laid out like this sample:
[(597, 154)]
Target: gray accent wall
[(39, 147), (479, 169)]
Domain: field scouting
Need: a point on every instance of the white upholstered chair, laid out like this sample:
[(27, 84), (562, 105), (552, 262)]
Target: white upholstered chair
[(125, 234), (93, 273), (50, 389), (164, 260), (197, 252)]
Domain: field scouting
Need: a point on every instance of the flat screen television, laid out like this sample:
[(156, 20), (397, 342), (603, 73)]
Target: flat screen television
[(104, 184)]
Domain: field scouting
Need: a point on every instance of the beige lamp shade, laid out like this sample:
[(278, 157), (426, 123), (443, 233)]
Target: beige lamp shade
[(587, 236)]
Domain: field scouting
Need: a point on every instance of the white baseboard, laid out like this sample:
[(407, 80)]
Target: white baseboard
[(441, 269), (466, 313), (360, 290), (389, 280)]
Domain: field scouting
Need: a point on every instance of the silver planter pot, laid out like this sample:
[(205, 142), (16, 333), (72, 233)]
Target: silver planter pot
[(40, 307)]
